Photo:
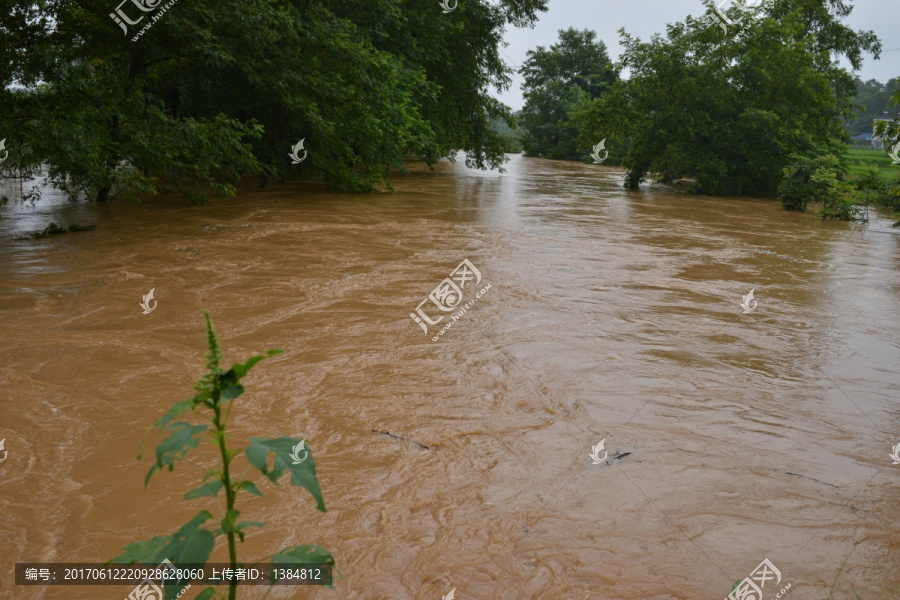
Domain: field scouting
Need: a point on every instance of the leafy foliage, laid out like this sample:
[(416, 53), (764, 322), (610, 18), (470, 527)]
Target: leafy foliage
[(730, 112), (214, 91), (559, 80), (818, 179), (194, 543)]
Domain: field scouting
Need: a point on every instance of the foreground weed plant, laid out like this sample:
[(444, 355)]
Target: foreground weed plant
[(193, 543)]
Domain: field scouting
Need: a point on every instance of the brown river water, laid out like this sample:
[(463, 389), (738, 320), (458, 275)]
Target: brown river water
[(610, 315)]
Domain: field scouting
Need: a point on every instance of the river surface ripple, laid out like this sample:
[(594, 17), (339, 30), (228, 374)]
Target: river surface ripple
[(611, 314)]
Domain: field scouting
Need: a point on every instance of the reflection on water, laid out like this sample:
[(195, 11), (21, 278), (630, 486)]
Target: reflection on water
[(613, 315)]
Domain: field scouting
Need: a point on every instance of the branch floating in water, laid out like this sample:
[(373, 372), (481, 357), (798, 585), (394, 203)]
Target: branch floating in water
[(387, 433)]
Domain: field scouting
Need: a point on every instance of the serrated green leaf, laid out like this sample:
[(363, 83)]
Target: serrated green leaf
[(249, 486), (212, 473), (207, 489), (142, 552), (174, 447), (176, 411), (303, 474), (240, 370), (190, 544)]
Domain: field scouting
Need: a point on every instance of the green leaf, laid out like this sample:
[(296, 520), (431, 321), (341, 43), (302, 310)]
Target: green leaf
[(176, 411), (190, 544), (311, 554), (207, 489), (175, 447), (231, 392), (249, 486), (142, 552), (229, 523), (173, 588), (212, 473), (206, 594), (240, 370), (303, 474), (245, 524)]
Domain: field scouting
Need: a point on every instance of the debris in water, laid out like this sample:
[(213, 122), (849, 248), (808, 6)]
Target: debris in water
[(387, 433)]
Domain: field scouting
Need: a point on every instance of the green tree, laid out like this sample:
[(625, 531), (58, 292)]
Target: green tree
[(872, 188), (559, 81), (731, 111), (818, 179), (214, 91), (217, 391)]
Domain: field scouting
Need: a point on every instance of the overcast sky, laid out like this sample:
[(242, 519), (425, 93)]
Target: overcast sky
[(643, 18)]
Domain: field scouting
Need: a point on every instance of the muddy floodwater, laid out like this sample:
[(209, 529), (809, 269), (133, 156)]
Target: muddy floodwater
[(609, 314)]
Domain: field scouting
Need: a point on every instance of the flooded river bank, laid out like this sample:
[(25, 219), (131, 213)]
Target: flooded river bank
[(612, 315)]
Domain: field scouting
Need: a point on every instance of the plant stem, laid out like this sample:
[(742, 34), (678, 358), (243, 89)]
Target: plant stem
[(229, 492)]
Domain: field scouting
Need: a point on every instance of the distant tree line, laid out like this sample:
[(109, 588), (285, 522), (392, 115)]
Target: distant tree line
[(872, 101)]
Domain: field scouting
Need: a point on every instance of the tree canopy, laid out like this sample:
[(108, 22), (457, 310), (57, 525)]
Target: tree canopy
[(212, 91), (570, 74), (731, 111)]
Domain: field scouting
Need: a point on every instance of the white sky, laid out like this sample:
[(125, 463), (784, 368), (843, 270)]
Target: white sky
[(643, 18)]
